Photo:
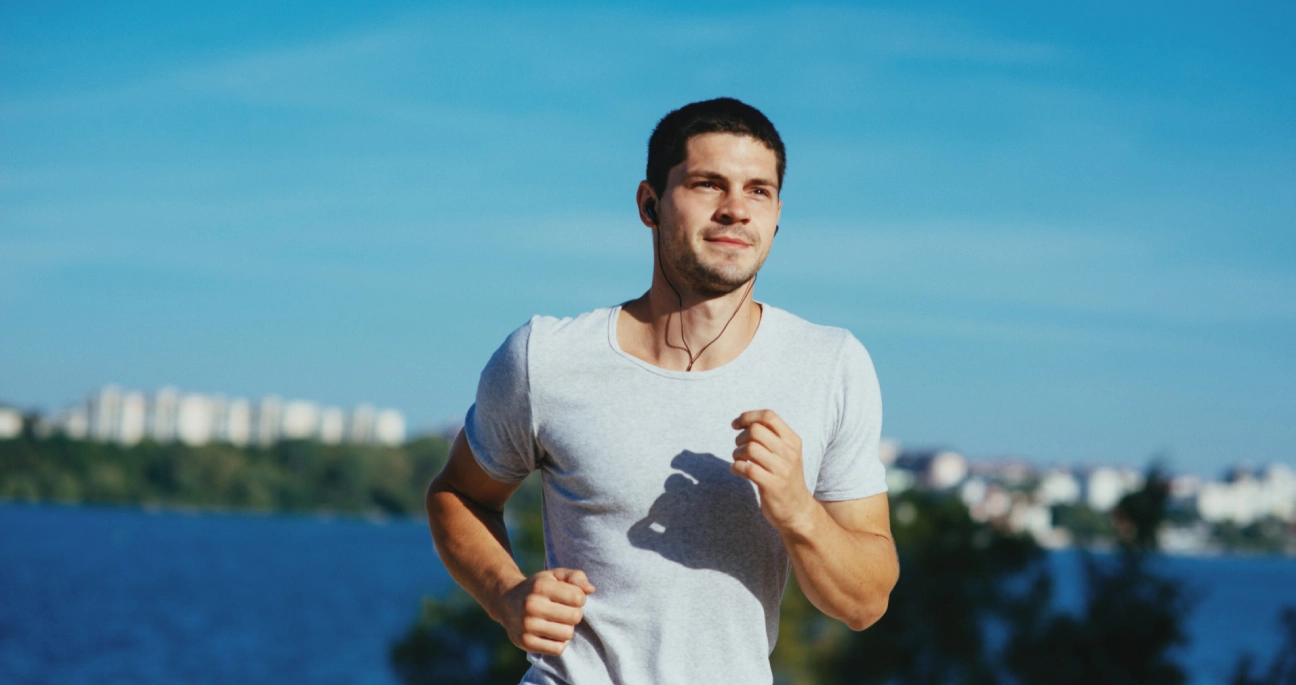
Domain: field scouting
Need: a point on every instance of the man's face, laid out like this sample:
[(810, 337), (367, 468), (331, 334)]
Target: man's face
[(719, 212)]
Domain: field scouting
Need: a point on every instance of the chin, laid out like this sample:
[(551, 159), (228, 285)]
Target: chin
[(719, 283)]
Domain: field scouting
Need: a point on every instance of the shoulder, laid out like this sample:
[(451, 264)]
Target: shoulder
[(566, 333), (542, 335), (582, 324), (828, 344)]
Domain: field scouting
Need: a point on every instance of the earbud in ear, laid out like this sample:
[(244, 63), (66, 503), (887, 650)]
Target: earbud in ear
[(650, 208)]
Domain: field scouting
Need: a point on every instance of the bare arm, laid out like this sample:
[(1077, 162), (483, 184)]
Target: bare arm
[(465, 509), (844, 558), (842, 552)]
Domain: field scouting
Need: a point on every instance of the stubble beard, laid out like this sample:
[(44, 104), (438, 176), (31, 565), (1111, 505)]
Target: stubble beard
[(716, 279)]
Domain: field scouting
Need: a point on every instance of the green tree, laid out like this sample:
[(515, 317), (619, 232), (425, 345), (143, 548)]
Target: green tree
[(957, 577), (290, 476), (1133, 616), (453, 640)]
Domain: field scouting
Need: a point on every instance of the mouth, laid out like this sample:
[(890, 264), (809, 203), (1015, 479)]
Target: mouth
[(729, 241)]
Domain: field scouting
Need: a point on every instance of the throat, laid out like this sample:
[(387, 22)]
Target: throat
[(679, 340)]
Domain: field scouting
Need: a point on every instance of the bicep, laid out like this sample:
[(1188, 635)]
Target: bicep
[(868, 515), (463, 475)]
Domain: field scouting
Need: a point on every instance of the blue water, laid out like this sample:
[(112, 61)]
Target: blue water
[(1236, 604), (105, 595)]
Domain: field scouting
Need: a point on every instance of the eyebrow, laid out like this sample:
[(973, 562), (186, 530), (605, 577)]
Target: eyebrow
[(721, 177)]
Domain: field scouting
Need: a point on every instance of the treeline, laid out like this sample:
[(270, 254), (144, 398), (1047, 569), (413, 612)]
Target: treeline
[(290, 476)]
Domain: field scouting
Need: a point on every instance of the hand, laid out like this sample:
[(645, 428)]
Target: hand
[(769, 455), (541, 612)]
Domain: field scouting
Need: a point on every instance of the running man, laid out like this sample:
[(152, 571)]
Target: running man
[(694, 445)]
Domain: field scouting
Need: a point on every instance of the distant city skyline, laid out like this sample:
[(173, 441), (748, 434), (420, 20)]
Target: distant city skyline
[(1062, 232), (126, 417)]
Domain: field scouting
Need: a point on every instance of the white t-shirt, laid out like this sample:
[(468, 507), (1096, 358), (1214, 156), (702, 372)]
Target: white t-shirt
[(638, 493)]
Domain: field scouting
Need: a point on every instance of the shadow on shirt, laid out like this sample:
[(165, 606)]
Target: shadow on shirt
[(709, 518)]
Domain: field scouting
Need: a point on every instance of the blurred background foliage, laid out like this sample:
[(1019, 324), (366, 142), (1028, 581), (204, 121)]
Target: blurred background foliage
[(290, 476)]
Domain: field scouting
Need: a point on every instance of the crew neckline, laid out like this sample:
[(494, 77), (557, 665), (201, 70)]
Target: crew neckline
[(615, 313)]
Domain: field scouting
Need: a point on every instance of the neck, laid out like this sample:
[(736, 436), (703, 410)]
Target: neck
[(689, 329)]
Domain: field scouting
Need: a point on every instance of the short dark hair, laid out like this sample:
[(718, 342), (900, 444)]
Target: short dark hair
[(668, 145)]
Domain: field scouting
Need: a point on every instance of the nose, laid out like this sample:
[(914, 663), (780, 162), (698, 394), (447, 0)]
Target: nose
[(733, 210)]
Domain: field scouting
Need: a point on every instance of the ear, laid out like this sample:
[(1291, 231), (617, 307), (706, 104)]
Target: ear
[(649, 208)]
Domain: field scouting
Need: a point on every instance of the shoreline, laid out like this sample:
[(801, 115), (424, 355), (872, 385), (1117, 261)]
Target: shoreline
[(376, 517), (379, 518)]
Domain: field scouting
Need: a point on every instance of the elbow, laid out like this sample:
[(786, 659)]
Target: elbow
[(429, 495), (434, 503), (872, 609), (868, 614), (429, 499)]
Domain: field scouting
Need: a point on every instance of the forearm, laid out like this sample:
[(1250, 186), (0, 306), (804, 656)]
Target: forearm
[(846, 574), (473, 545)]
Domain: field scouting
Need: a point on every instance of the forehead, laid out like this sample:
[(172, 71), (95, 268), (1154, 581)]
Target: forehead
[(728, 154)]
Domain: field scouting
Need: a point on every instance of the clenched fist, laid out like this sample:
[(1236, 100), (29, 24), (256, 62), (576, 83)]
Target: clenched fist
[(541, 612), (769, 455)]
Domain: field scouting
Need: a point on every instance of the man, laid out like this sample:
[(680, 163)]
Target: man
[(692, 442)]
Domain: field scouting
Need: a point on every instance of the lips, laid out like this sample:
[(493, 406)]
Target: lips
[(729, 240)]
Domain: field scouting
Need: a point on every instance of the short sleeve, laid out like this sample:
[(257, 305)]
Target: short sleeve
[(851, 468), (498, 427)]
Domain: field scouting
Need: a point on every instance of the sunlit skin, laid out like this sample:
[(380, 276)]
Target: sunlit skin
[(717, 217), (716, 220)]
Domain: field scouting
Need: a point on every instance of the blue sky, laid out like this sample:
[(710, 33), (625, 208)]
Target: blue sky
[(1066, 234)]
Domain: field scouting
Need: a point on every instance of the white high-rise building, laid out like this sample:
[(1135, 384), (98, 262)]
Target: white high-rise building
[(360, 429), (217, 406), (111, 415), (105, 413), (389, 428), (235, 424), (266, 420), (11, 423), (160, 422), (300, 420), (1279, 482), (132, 418), (1245, 498), (332, 425), (194, 419)]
